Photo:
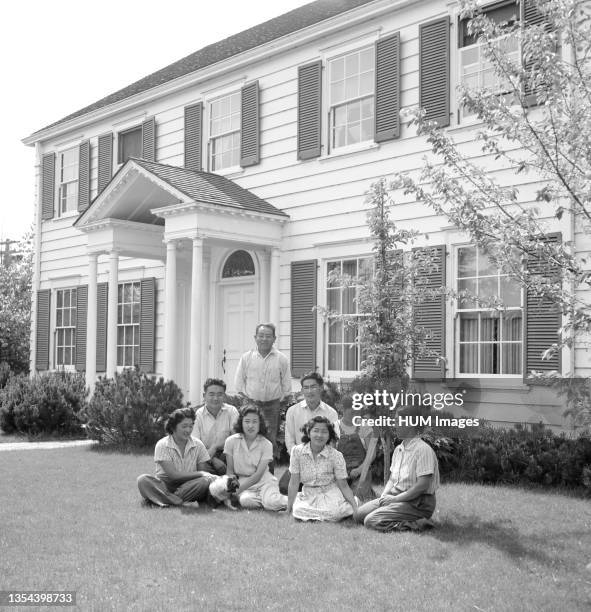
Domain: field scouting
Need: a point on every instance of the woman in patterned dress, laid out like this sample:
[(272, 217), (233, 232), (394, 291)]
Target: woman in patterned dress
[(315, 463)]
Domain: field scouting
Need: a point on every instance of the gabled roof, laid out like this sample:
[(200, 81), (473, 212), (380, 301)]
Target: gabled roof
[(154, 185), (268, 31), (209, 188)]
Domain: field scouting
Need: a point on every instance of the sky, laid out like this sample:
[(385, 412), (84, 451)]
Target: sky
[(57, 57)]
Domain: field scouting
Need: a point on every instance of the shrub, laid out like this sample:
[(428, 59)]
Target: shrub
[(130, 409), (46, 404), (5, 373)]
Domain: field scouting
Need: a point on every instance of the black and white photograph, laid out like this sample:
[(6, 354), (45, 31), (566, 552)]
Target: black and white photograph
[(295, 305)]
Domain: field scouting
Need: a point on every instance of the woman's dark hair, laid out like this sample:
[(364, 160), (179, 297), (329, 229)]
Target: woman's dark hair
[(332, 434), (251, 409), (175, 417)]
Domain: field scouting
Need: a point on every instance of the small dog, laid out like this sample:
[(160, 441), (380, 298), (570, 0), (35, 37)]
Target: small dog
[(221, 490)]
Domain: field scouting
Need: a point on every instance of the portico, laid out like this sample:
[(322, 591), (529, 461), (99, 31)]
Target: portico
[(214, 250)]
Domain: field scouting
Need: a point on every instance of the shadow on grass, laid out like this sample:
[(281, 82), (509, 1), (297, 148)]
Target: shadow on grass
[(465, 530)]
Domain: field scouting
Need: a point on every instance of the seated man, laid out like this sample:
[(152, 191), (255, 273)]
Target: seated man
[(299, 414), (409, 495), (358, 445), (214, 422)]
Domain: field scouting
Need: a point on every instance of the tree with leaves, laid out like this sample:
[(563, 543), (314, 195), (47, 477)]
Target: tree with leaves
[(534, 119), (15, 306), (387, 296)]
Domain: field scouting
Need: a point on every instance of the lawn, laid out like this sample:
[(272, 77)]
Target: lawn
[(71, 520)]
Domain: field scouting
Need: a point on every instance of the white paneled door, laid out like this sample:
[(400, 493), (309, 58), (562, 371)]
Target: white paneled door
[(238, 323)]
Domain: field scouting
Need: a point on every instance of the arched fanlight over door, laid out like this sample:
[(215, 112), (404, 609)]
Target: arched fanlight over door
[(239, 263)]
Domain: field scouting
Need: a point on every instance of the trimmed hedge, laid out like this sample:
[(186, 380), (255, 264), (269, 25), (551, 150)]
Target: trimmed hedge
[(130, 409), (49, 403)]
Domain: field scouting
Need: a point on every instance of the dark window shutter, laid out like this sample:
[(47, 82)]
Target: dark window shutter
[(81, 312), (47, 186), (84, 176), (42, 335), (530, 16), (542, 318), (303, 318), (149, 139), (147, 324), (430, 314), (387, 114), (250, 125), (309, 110), (105, 160), (102, 293), (434, 70), (193, 136)]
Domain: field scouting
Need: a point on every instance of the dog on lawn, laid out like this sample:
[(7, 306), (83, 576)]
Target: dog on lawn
[(222, 488)]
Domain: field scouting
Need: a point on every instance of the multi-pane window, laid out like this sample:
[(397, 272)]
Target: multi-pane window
[(128, 324), (352, 98), (129, 144), (476, 72), (341, 299), (68, 180), (65, 327), (490, 341), (224, 132)]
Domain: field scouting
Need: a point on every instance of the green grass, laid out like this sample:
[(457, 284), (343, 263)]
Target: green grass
[(71, 519)]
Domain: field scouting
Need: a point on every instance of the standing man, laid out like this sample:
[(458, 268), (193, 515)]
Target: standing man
[(214, 422), (263, 377), (299, 414)]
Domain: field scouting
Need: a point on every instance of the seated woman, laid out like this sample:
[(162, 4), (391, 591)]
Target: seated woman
[(325, 494), (180, 463), (358, 445), (248, 454), (409, 494)]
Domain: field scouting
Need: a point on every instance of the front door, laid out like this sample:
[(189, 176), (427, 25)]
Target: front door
[(238, 303)]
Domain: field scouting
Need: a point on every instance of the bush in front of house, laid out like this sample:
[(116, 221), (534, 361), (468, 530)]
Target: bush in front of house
[(130, 409), (47, 404), (535, 457)]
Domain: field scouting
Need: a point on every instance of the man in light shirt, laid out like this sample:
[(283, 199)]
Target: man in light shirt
[(408, 499), (214, 422), (263, 377), (299, 414)]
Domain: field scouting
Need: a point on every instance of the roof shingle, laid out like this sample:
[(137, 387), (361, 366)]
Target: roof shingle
[(209, 188), (273, 29)]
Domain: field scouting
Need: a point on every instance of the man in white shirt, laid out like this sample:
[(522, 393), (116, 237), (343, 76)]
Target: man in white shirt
[(299, 414), (214, 422), (263, 377)]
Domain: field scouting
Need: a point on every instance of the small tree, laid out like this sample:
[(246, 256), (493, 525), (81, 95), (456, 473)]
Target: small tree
[(387, 297), (540, 124), (15, 307)]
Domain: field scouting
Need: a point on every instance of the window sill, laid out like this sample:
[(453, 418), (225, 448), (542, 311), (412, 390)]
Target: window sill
[(66, 215), (480, 382), (233, 171), (350, 150)]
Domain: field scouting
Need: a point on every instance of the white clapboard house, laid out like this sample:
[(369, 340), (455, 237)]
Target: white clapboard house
[(176, 213)]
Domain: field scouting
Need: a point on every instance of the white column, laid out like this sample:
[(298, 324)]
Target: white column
[(274, 288), (91, 322), (264, 286), (170, 312), (206, 319), (112, 314), (196, 336)]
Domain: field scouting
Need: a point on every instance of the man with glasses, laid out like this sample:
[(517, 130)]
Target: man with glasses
[(263, 377), (299, 414)]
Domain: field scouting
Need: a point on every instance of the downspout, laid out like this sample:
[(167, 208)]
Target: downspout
[(36, 280)]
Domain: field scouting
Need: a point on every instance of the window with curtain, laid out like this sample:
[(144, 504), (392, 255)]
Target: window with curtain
[(475, 71), (343, 350), (490, 342), (129, 144)]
